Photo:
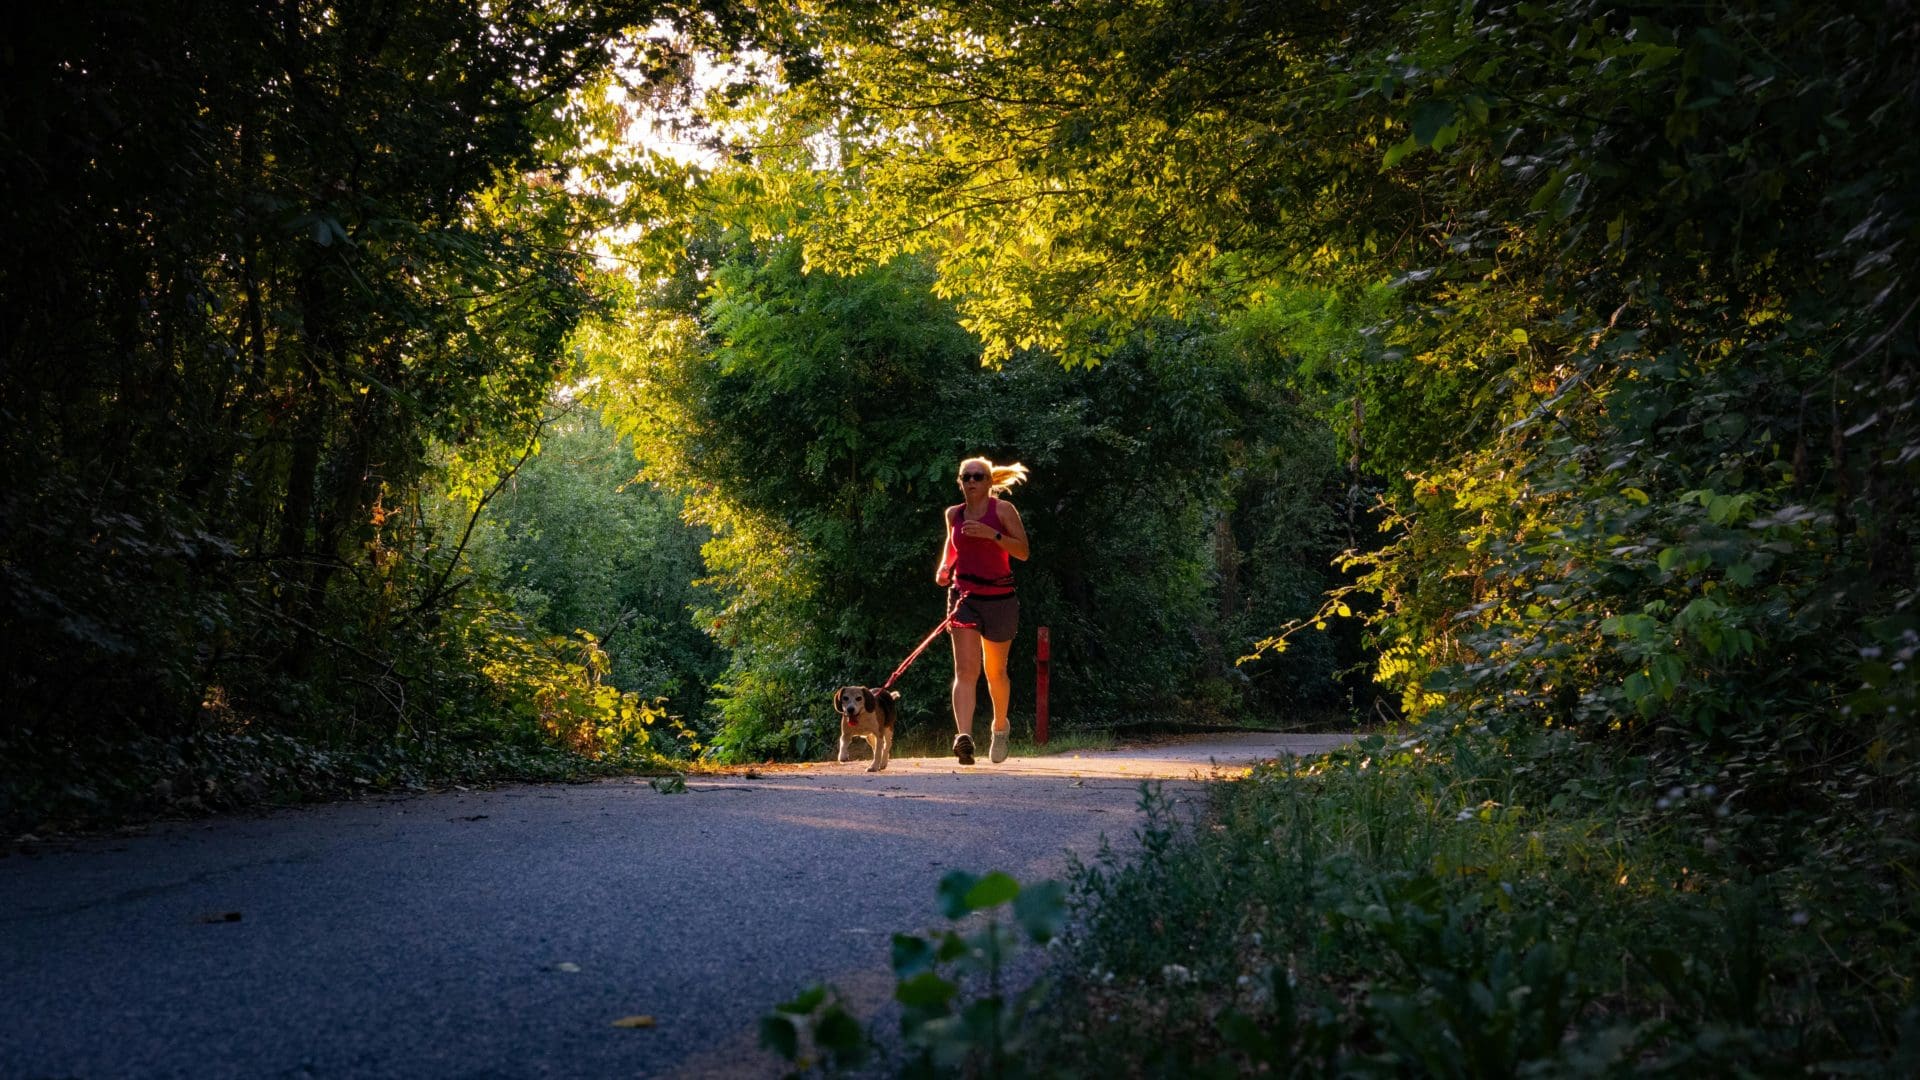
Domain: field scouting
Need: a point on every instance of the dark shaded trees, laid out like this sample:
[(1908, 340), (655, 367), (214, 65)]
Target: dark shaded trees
[(260, 259)]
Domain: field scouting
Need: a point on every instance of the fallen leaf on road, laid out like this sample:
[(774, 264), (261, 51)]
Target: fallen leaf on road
[(220, 917), (474, 817), (566, 966), (634, 1022)]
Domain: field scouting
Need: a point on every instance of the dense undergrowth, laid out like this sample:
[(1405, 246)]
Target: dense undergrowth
[(1468, 906), (1424, 903), (72, 786)]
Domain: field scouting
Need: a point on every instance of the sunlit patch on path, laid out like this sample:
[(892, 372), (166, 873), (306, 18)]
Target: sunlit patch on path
[(1182, 758)]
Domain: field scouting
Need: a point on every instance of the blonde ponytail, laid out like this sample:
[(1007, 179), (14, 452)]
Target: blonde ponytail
[(999, 477)]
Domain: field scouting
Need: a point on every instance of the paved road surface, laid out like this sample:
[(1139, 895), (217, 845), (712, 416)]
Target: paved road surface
[(499, 933)]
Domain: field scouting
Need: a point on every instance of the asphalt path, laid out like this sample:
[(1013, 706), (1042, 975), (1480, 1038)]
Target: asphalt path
[(500, 933)]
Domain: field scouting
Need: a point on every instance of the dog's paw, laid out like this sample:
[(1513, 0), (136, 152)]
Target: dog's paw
[(845, 757), (877, 766)]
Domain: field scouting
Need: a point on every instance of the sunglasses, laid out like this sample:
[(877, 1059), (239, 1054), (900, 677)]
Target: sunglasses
[(972, 477)]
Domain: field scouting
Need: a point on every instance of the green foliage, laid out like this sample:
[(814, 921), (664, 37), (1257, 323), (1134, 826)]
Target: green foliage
[(248, 346), (59, 781), (1634, 381), (802, 416), (956, 1018), (791, 436), (274, 275), (580, 547), (833, 1039), (1472, 907), (1637, 352), (543, 687), (1668, 541), (1075, 175)]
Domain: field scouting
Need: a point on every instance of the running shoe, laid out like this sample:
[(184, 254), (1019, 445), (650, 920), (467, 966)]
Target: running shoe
[(997, 749), (963, 748)]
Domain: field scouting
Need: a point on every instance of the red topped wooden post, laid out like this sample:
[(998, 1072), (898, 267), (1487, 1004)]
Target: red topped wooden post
[(1042, 658)]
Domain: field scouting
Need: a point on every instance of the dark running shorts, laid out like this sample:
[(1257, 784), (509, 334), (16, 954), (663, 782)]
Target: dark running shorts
[(996, 617)]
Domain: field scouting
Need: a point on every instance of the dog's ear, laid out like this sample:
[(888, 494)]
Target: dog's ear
[(866, 699)]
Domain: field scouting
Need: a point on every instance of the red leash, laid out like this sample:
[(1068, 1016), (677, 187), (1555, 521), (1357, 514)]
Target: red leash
[(928, 640)]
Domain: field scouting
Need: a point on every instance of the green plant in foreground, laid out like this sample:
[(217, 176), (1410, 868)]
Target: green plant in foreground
[(833, 1039), (946, 1030)]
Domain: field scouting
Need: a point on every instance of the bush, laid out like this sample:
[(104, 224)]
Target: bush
[(1467, 906)]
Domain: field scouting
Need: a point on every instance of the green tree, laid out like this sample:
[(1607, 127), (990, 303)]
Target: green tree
[(580, 546), (814, 420), (269, 267), (1641, 399)]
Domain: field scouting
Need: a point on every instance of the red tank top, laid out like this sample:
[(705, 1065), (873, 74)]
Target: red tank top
[(980, 564)]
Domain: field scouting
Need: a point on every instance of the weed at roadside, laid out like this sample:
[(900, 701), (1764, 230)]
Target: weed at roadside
[(957, 1017), (1447, 909)]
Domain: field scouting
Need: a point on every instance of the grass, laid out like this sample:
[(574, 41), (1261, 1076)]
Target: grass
[(50, 787), (1066, 742), (1474, 908)]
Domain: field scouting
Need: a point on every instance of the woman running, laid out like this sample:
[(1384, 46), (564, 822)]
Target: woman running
[(983, 534)]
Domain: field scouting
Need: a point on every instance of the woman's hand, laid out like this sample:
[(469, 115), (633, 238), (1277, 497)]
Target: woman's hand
[(979, 529), (943, 577)]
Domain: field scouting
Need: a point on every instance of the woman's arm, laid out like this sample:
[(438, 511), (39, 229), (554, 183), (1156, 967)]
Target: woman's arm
[(1014, 538), (943, 570)]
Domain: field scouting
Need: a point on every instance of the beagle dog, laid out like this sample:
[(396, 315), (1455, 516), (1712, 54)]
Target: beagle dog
[(867, 713)]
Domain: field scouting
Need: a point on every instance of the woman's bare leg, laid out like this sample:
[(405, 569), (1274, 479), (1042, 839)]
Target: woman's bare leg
[(966, 677), (994, 653)]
